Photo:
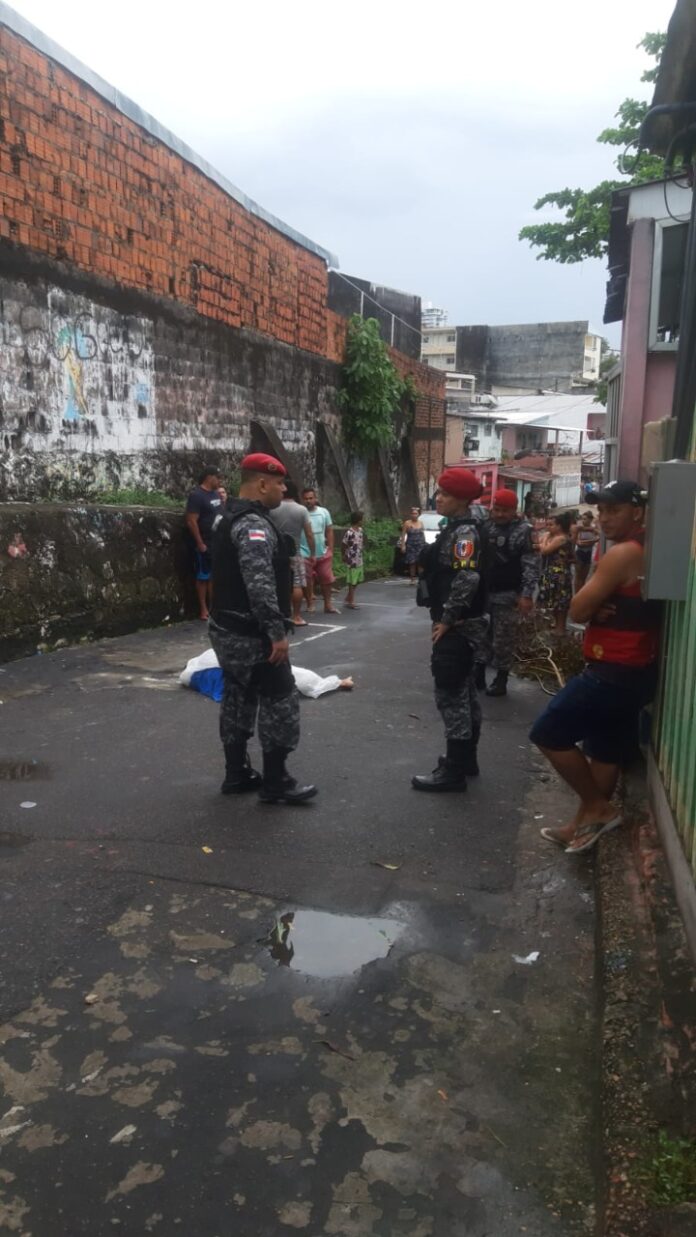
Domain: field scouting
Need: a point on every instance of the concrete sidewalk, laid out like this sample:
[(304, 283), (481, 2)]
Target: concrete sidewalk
[(372, 1015)]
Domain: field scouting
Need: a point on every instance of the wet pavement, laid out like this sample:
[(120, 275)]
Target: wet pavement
[(374, 1014)]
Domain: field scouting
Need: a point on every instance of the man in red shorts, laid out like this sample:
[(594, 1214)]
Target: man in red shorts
[(600, 707), (319, 567)]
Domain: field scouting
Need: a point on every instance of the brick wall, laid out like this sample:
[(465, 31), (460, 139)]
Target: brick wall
[(149, 316), (83, 183), (429, 426)]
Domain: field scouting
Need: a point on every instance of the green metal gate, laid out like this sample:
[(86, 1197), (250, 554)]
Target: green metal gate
[(674, 734)]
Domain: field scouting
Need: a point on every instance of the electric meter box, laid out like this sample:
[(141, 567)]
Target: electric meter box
[(669, 543)]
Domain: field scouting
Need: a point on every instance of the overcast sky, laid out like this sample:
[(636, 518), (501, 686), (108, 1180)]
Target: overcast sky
[(412, 143)]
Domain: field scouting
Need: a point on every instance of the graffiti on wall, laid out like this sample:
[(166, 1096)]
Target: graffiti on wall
[(72, 369)]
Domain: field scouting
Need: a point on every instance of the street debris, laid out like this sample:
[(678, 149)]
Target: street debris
[(27, 803), (326, 1043), (391, 867), (91, 998), (207, 850), (531, 958), (123, 1135)]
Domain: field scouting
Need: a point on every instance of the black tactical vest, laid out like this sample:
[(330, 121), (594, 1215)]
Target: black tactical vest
[(469, 553), (231, 606), (506, 569)]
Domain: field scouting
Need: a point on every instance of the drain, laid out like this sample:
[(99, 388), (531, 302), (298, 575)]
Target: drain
[(12, 841), (20, 770)]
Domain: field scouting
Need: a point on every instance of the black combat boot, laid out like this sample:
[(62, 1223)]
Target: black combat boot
[(277, 785), (239, 775), (480, 677), (470, 759), (449, 774), (499, 685)]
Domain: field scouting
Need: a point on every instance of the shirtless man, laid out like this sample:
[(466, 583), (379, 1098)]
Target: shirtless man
[(600, 707)]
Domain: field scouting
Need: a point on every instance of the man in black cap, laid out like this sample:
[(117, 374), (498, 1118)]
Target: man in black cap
[(600, 707), (249, 624)]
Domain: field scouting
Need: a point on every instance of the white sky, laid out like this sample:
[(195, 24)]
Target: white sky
[(410, 141)]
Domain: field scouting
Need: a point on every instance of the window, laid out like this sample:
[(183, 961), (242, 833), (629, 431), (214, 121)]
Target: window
[(450, 360), (426, 339), (487, 429), (451, 339), (668, 274)]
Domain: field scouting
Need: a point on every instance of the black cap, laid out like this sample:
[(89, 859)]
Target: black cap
[(622, 492)]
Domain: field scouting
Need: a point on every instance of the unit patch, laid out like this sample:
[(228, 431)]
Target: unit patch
[(464, 550)]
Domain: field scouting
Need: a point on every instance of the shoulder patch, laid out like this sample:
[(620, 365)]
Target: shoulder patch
[(257, 534)]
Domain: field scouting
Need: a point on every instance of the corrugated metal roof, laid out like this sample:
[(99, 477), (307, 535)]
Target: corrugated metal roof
[(556, 411)]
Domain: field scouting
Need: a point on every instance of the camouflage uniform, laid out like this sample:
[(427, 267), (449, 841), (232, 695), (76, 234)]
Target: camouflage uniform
[(458, 705), (514, 541), (251, 684)]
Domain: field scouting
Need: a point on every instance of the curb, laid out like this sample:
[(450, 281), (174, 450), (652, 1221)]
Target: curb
[(647, 1026)]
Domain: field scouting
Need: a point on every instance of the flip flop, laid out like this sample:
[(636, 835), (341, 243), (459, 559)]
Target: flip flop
[(332, 612), (554, 835), (300, 623), (593, 833)]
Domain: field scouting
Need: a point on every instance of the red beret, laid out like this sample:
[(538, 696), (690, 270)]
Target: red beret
[(263, 463), (460, 483), (504, 498)]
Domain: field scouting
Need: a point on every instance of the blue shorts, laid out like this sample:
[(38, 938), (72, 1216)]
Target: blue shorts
[(598, 712), (202, 564)]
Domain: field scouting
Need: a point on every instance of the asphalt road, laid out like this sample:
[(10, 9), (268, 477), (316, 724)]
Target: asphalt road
[(374, 1014)]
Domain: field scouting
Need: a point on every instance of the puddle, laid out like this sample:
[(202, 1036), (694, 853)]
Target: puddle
[(326, 946), (20, 770), (13, 840)]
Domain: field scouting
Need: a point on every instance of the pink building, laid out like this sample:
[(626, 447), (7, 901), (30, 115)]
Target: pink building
[(649, 225)]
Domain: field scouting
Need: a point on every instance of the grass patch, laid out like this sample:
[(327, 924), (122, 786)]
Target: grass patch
[(138, 498), (378, 555), (668, 1171)]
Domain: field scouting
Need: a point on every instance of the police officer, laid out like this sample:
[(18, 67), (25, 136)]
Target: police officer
[(454, 569), (512, 582), (249, 624)]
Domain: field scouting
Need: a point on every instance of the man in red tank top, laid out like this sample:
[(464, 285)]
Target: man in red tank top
[(600, 707)]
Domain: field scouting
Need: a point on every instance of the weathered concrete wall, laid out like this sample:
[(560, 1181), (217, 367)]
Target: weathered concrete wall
[(528, 356), (398, 313), (104, 389), (71, 571)]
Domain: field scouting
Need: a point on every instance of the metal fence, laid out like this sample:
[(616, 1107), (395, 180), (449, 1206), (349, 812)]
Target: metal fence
[(674, 733)]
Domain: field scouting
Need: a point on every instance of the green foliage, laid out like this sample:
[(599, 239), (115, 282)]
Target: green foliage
[(583, 232), (669, 1171), (137, 498), (378, 555), (372, 393)]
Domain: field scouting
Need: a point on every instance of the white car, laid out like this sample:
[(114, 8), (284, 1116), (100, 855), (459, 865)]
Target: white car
[(431, 521)]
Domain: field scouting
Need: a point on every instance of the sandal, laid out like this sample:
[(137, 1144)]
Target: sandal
[(554, 835), (300, 623), (592, 834)]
